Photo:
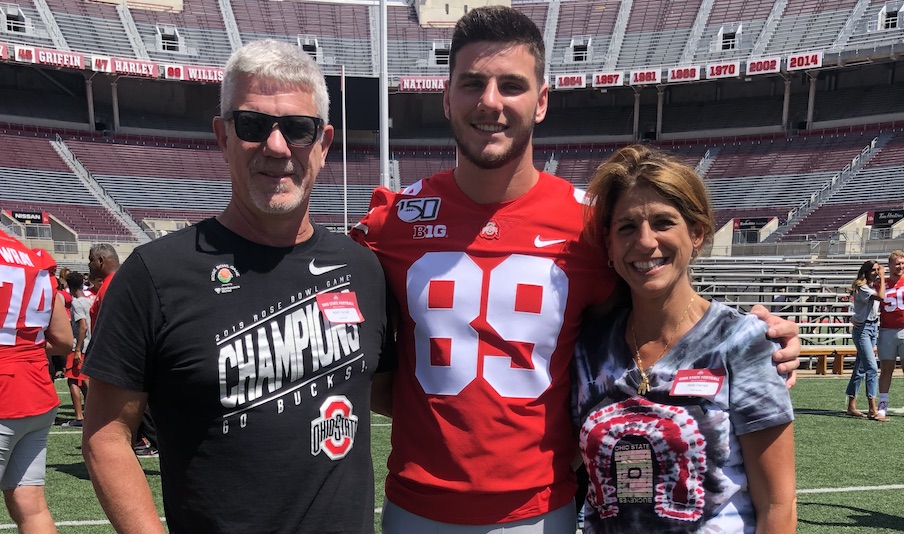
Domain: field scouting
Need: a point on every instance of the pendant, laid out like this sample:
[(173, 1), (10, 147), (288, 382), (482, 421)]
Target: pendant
[(643, 387)]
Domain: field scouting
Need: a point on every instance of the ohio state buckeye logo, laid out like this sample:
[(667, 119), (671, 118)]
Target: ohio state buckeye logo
[(490, 230), (333, 433)]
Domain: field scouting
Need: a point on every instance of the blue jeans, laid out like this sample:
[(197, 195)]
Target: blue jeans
[(865, 366)]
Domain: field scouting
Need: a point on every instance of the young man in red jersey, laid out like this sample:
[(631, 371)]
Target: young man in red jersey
[(492, 273), (34, 325), (891, 327)]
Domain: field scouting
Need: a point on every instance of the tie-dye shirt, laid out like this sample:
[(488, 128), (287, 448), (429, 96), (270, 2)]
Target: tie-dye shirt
[(669, 463)]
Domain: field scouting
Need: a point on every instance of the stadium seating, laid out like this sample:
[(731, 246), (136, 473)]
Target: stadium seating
[(187, 179)]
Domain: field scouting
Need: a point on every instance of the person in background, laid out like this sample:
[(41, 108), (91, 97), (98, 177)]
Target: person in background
[(81, 332), (891, 327), (57, 362), (103, 262), (866, 292), (684, 424), (36, 326)]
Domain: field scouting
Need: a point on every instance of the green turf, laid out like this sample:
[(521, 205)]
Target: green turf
[(833, 451)]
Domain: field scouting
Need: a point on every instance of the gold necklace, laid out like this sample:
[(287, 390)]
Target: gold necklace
[(644, 385)]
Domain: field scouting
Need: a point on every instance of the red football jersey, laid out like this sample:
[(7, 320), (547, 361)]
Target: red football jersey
[(891, 312), (26, 303), (491, 297)]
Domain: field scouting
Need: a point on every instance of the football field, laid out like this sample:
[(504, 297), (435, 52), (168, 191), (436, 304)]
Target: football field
[(849, 471)]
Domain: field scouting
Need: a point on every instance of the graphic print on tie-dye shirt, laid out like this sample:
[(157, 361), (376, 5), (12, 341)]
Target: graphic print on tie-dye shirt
[(668, 463)]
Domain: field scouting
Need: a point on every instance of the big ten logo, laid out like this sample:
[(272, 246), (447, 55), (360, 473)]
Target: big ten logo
[(645, 76), (419, 209), (762, 65), (173, 72), (685, 73), (429, 231)]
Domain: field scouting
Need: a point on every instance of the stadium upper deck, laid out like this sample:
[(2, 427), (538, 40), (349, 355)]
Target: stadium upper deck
[(584, 37)]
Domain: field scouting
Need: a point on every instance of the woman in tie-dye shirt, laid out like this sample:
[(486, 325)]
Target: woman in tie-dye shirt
[(684, 424)]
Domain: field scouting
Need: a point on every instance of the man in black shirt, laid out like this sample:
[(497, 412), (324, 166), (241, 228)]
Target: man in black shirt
[(252, 336)]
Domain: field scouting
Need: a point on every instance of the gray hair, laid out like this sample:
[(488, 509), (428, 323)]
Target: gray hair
[(284, 64), (104, 250)]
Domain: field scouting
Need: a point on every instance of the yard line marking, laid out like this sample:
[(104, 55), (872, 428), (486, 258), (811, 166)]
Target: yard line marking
[(852, 488), (87, 522)]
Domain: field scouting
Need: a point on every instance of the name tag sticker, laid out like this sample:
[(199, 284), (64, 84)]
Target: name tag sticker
[(340, 307), (697, 382)]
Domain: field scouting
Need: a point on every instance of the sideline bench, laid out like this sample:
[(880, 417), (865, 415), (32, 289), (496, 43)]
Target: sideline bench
[(822, 353)]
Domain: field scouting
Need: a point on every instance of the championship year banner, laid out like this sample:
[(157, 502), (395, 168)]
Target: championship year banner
[(608, 79), (763, 65), (570, 81), (731, 69), (806, 60), (645, 76), (684, 74)]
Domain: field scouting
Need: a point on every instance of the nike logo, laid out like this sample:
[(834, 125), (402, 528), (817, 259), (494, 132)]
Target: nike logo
[(317, 271), (540, 243)]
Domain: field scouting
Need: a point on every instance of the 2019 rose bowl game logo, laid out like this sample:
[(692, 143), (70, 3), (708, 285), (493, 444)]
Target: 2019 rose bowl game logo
[(333, 433)]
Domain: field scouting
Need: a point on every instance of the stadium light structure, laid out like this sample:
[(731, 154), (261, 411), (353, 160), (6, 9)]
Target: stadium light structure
[(384, 98)]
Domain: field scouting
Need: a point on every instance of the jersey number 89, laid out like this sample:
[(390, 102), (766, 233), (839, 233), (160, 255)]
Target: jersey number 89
[(497, 292)]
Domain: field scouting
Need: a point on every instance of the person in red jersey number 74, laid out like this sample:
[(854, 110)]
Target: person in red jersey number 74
[(34, 326), (492, 274)]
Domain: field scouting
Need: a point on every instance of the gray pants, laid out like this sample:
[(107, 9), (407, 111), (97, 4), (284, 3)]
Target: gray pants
[(399, 521)]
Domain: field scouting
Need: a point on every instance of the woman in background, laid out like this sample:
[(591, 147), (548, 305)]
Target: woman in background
[(684, 424), (866, 291)]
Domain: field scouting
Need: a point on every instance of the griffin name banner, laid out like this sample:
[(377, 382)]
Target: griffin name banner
[(44, 56), (422, 84), (4, 51)]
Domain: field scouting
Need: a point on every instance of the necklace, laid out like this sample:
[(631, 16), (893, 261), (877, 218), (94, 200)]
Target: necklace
[(644, 385)]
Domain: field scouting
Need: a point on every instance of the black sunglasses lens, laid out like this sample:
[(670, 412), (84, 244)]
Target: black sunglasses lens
[(252, 127), (298, 130)]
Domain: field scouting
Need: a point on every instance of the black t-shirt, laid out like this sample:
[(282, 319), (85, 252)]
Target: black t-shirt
[(262, 405)]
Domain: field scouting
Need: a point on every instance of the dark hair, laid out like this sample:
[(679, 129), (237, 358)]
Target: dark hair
[(498, 24), (642, 166), (75, 281), (863, 275)]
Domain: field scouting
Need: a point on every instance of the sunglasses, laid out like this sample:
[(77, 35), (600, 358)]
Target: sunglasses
[(255, 127)]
